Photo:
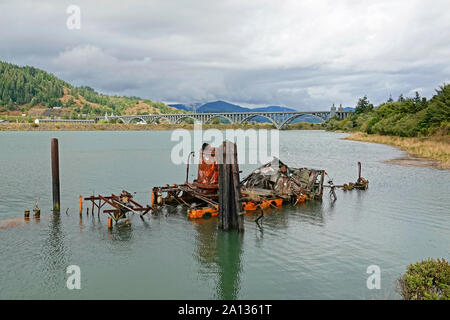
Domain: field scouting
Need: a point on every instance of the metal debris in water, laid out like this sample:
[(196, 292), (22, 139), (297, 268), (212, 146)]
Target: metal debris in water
[(121, 205)]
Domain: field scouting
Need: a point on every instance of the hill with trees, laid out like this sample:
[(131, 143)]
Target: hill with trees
[(38, 93), (406, 117)]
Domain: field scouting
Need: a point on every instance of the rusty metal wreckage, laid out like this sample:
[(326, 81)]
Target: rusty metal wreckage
[(218, 191)]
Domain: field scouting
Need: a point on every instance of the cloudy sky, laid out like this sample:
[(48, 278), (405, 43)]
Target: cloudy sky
[(305, 54)]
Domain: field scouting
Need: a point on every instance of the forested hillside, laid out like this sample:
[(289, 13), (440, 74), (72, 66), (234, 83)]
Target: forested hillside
[(31, 90), (28, 85), (406, 117)]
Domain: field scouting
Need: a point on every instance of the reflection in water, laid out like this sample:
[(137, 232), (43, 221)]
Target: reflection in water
[(121, 232), (309, 212), (205, 240), (229, 251), (54, 254), (219, 254)]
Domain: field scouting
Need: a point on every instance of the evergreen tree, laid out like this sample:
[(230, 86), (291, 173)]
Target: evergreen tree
[(417, 99), (363, 106)]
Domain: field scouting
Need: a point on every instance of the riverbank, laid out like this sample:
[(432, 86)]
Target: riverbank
[(64, 126), (434, 147)]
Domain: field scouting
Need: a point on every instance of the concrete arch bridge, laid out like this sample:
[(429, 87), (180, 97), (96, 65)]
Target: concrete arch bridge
[(278, 119)]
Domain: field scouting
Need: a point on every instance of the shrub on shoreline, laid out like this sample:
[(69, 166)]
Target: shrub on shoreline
[(426, 280)]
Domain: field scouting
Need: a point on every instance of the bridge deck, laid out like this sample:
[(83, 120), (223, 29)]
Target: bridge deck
[(278, 118)]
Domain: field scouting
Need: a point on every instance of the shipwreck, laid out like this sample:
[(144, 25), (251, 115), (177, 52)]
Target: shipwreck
[(270, 185), (218, 190)]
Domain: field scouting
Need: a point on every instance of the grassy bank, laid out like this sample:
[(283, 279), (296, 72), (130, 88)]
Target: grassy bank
[(432, 147)]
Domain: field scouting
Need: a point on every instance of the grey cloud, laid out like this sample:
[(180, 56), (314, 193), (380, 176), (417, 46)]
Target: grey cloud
[(303, 54)]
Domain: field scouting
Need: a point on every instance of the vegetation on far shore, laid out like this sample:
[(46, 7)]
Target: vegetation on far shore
[(417, 125), (406, 117)]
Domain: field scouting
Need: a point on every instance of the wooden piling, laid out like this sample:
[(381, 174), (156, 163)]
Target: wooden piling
[(359, 170), (55, 174), (230, 213), (81, 205)]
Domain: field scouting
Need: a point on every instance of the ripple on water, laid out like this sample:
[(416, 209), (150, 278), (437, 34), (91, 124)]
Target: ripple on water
[(317, 250)]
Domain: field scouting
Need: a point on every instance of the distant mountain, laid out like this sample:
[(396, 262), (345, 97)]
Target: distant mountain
[(186, 106), (221, 106), (349, 109), (307, 118), (272, 109), (180, 106)]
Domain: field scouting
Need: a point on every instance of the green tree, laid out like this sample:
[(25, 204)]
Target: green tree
[(438, 111), (417, 99), (363, 106)]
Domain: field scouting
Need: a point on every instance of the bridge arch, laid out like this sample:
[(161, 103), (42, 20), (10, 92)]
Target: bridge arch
[(136, 120), (181, 119), (218, 117), (160, 119), (289, 120), (259, 115)]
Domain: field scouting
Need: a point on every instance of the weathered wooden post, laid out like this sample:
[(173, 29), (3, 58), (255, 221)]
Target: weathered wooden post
[(55, 174), (37, 212), (359, 170), (361, 183), (230, 213), (81, 206)]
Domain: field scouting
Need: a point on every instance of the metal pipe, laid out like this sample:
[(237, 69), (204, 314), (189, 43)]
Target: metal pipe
[(55, 174)]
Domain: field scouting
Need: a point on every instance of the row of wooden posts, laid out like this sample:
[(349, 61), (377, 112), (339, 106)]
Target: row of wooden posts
[(230, 213)]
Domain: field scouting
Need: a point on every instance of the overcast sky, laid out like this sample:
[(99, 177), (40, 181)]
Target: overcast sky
[(302, 54)]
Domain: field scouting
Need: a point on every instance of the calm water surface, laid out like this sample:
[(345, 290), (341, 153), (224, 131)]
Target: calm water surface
[(318, 250)]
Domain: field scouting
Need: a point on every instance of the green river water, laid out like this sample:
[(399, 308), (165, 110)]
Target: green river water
[(320, 250)]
